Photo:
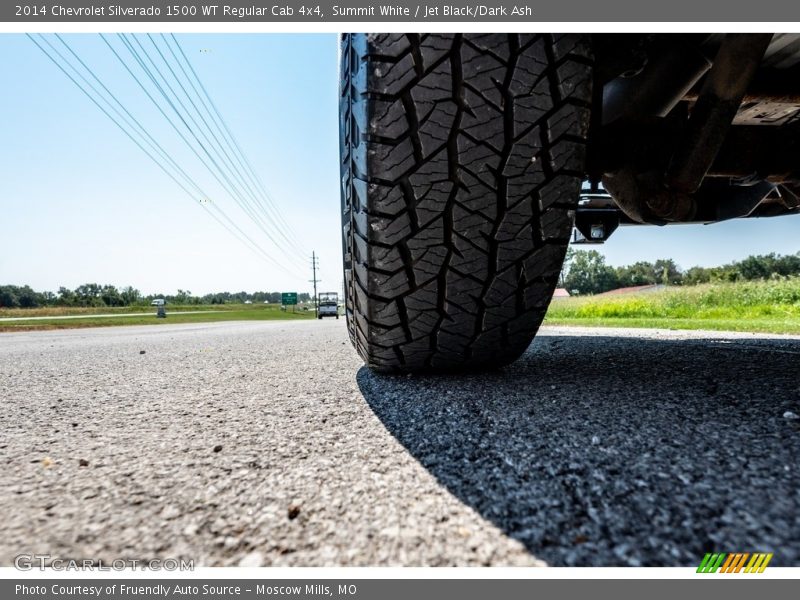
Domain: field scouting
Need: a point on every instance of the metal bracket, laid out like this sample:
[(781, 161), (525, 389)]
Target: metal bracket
[(595, 225)]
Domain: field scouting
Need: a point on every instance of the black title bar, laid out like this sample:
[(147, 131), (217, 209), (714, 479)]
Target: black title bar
[(732, 588), (409, 11)]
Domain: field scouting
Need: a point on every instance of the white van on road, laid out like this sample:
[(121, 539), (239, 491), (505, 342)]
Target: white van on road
[(328, 305)]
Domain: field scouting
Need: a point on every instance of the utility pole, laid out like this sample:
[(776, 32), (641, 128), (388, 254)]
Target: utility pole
[(315, 281)]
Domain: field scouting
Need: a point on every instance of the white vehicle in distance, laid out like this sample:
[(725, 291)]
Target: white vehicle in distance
[(158, 302), (328, 305)]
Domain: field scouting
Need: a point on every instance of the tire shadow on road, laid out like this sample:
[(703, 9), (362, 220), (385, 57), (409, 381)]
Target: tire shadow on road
[(596, 450)]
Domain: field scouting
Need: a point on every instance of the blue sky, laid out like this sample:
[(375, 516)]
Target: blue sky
[(79, 202)]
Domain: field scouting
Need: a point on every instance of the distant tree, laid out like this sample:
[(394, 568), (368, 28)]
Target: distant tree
[(8, 297), (696, 275), (756, 267), (218, 298), (562, 277), (667, 272), (789, 265), (130, 295), (111, 296), (66, 297), (88, 294), (589, 274), (768, 265), (13, 296), (28, 298), (640, 273)]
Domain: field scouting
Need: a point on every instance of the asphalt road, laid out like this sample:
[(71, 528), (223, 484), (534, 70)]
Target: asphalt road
[(269, 443)]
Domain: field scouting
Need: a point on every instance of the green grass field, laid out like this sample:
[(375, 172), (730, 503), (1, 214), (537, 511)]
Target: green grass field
[(757, 306), (175, 314)]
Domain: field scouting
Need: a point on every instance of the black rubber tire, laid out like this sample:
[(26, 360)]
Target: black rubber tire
[(462, 159)]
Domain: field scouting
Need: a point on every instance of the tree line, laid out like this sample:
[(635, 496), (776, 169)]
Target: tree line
[(93, 294), (586, 272)]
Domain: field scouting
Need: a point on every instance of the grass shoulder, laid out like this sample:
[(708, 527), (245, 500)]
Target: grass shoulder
[(757, 306), (80, 317)]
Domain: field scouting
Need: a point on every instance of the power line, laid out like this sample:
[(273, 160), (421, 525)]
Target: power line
[(141, 129), (247, 240), (227, 163), (274, 216), (128, 133), (232, 187), (232, 139), (219, 174), (177, 129)]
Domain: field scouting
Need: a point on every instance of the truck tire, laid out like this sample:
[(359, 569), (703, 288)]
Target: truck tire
[(461, 160)]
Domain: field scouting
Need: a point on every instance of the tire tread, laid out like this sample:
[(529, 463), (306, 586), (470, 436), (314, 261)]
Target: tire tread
[(462, 159)]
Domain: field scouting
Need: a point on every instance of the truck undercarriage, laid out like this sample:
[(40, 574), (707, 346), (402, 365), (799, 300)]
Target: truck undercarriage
[(467, 159), (693, 128)]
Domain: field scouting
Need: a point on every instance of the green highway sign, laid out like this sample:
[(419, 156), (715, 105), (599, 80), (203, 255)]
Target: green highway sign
[(289, 298)]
